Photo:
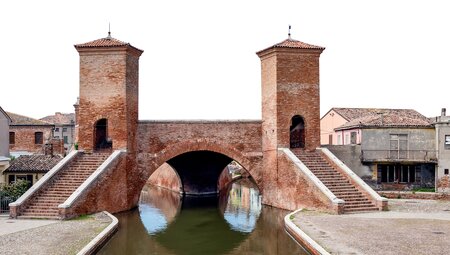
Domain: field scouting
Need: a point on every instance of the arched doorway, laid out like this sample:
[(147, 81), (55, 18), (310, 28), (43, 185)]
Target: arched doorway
[(101, 140), (297, 132)]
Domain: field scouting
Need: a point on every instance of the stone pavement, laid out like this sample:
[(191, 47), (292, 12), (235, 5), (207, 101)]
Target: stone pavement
[(410, 227), (48, 236), (8, 226)]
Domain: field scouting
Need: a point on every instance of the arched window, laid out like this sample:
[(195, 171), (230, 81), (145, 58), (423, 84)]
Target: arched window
[(101, 140), (297, 132), (38, 138)]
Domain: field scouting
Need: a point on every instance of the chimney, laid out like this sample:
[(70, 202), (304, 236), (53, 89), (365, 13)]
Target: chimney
[(443, 112)]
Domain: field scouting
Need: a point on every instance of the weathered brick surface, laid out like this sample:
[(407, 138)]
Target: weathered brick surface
[(290, 86), (25, 138), (108, 89), (290, 189), (165, 177), (160, 141)]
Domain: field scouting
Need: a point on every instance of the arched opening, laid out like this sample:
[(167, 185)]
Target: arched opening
[(101, 140), (297, 132)]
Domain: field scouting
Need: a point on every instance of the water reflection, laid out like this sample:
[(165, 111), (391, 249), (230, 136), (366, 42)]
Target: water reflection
[(234, 223), (242, 207)]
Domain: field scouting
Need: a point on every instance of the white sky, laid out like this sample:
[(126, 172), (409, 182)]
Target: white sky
[(199, 57)]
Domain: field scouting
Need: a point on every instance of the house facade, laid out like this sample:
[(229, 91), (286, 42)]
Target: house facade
[(64, 124), (29, 168), (395, 148), (28, 135), (442, 127), (5, 120)]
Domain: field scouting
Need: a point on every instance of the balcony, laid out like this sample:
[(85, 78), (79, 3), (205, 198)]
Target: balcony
[(423, 156)]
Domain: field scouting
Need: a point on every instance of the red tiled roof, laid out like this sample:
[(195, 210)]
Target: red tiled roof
[(24, 120), (375, 117), (104, 42), (60, 118), (33, 164), (291, 43)]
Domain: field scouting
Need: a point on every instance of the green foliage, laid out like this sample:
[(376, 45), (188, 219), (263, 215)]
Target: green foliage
[(423, 190), (14, 190)]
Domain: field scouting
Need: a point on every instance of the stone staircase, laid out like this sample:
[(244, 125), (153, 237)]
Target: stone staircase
[(355, 200), (44, 204)]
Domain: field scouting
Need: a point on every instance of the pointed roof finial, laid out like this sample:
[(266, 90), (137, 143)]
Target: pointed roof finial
[(109, 31), (289, 33)]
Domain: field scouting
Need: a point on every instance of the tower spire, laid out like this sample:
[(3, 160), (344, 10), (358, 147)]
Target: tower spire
[(109, 31), (289, 33)]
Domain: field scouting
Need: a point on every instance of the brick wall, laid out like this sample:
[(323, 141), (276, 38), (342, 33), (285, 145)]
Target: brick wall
[(24, 138), (108, 90), (290, 86), (160, 141)]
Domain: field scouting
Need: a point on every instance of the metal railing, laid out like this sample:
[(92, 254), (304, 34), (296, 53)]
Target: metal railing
[(399, 155), (4, 201)]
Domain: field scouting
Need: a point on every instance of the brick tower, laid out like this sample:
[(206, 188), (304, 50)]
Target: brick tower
[(108, 103), (290, 95)]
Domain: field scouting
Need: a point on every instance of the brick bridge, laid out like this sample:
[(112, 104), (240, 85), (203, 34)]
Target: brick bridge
[(269, 149)]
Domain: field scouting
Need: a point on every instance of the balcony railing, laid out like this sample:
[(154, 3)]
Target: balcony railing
[(399, 155)]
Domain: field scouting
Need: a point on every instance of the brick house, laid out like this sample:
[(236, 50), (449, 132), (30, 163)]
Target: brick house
[(5, 120), (389, 148), (64, 127), (30, 168), (28, 135)]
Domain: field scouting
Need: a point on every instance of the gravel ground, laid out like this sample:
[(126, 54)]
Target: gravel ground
[(63, 237), (410, 227)]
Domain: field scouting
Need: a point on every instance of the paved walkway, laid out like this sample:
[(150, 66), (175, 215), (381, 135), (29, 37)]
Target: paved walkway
[(410, 227), (49, 236)]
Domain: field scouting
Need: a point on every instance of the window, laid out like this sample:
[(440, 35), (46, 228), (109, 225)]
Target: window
[(25, 177), (397, 173), (347, 139), (66, 140), (339, 140), (330, 139), (56, 129), (12, 138), (447, 142), (38, 138), (446, 171), (353, 137), (64, 129), (398, 146)]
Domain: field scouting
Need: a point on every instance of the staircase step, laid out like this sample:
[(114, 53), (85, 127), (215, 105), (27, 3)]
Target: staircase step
[(45, 203)]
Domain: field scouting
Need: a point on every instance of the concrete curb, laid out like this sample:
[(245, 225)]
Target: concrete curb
[(96, 243), (307, 242)]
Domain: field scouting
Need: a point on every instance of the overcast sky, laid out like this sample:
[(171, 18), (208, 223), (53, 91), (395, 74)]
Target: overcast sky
[(199, 57)]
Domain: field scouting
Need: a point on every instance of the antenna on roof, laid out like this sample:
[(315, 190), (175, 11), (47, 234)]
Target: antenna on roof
[(289, 33), (109, 31)]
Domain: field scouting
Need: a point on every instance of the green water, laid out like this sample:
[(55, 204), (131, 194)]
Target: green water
[(234, 223)]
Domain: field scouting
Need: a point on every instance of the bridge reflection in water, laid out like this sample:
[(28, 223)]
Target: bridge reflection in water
[(233, 223)]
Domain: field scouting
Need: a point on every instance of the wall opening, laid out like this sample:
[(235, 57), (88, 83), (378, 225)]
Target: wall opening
[(101, 140), (297, 132)]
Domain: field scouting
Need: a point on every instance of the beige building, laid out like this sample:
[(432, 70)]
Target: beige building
[(30, 168)]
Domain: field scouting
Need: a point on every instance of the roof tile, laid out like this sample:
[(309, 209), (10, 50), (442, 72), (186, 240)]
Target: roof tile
[(291, 43), (18, 119), (33, 163), (376, 117)]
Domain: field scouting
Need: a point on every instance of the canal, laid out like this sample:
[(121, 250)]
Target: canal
[(233, 223)]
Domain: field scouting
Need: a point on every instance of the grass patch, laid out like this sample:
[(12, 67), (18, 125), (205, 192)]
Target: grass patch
[(423, 190), (292, 217)]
